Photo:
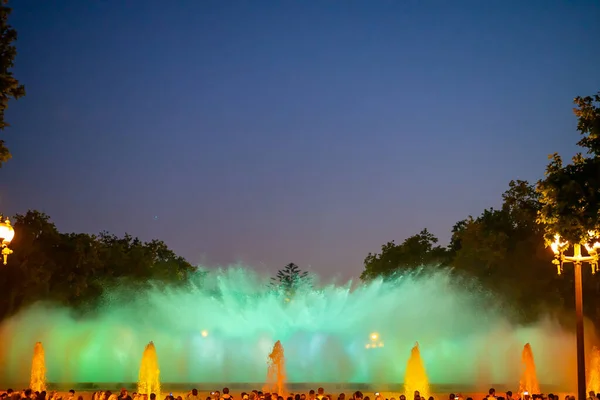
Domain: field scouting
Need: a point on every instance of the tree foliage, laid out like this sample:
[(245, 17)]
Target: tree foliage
[(416, 251), (75, 269), (289, 279), (505, 249), (10, 87), (570, 194)]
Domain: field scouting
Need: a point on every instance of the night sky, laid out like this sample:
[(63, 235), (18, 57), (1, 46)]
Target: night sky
[(270, 132)]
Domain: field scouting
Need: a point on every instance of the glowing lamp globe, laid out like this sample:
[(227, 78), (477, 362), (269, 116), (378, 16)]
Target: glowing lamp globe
[(7, 233)]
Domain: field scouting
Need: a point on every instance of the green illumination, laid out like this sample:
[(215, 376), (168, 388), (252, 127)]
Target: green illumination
[(222, 327)]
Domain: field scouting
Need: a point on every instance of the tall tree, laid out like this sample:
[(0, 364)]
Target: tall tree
[(504, 249), (416, 251), (570, 194), (289, 279), (75, 269), (10, 87)]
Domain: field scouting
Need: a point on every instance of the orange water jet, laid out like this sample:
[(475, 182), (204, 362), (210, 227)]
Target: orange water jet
[(593, 372), (276, 370), (37, 381), (529, 382), (415, 378), (149, 381)]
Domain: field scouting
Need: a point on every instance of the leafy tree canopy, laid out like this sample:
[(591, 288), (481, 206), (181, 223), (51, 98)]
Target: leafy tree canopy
[(416, 251), (10, 87), (570, 194), (74, 269), (504, 249)]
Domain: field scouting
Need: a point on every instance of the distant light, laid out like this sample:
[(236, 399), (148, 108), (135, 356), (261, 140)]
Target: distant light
[(374, 336), (367, 346), (204, 333)]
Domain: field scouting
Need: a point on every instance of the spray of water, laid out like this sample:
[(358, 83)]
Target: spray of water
[(222, 327), (415, 379), (37, 380), (529, 381), (276, 371), (593, 371), (149, 375)]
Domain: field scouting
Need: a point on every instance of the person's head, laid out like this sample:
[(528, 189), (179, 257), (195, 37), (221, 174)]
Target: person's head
[(358, 395), (492, 392), (321, 391), (152, 396), (509, 394), (452, 396), (194, 392), (225, 390), (71, 392)]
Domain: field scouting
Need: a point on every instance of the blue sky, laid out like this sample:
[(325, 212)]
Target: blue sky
[(271, 132)]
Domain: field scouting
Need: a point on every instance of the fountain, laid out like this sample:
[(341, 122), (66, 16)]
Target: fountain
[(149, 381), (415, 377), (222, 325), (593, 371), (529, 382), (276, 370), (37, 381)]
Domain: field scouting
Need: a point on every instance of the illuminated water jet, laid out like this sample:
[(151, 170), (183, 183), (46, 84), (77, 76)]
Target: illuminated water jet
[(593, 372), (221, 326), (149, 376), (37, 381), (529, 381), (276, 370), (415, 378)]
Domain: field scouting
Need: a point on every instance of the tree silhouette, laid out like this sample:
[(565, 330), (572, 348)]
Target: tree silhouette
[(289, 279), (9, 85)]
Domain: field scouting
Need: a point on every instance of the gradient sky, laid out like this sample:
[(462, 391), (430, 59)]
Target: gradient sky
[(284, 131)]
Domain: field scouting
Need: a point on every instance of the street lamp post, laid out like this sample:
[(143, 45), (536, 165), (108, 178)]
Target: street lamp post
[(558, 247), (7, 233)]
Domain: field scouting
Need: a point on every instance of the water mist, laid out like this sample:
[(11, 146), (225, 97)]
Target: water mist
[(222, 326)]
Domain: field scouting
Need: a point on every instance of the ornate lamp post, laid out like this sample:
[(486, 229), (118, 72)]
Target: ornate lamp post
[(7, 233), (592, 247)]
